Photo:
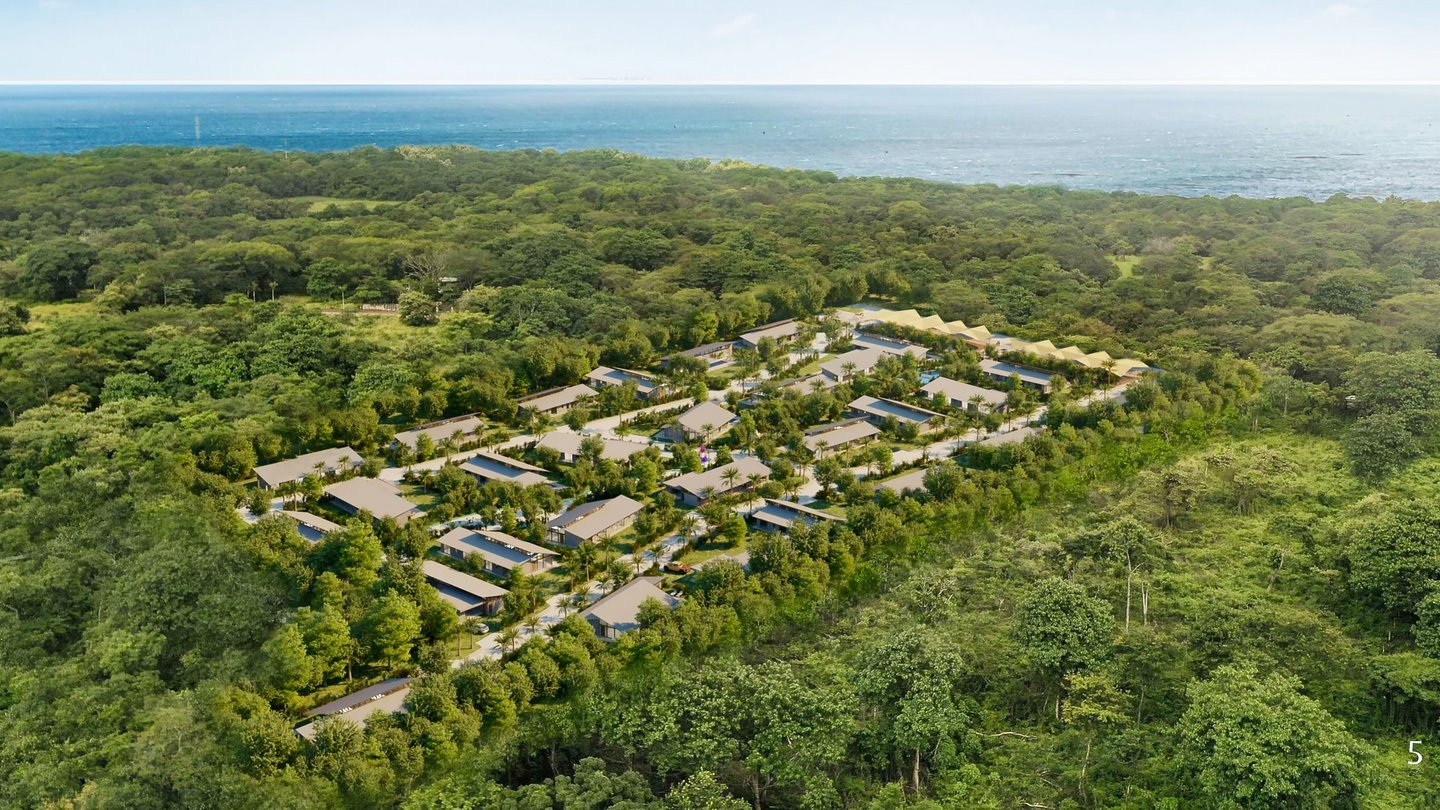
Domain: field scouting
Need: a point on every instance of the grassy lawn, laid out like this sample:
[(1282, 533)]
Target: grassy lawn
[(1126, 265), (709, 549), (813, 367), (552, 582), (420, 496), (386, 327), (41, 314), (321, 203)]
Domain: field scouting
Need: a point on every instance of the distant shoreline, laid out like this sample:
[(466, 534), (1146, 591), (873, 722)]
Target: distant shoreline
[(1180, 140)]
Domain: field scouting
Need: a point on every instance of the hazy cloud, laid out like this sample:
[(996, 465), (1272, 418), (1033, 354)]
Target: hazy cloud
[(1340, 11), (733, 26)]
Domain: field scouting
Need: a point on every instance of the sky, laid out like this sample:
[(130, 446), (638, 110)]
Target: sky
[(678, 42)]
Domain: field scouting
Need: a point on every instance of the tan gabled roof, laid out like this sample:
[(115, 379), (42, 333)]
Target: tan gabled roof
[(556, 397), (458, 588), (706, 413), (714, 478), (381, 499), (585, 521), (621, 607), (294, 469)]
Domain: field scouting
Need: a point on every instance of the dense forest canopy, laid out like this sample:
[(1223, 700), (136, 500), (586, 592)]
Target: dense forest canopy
[(1223, 592)]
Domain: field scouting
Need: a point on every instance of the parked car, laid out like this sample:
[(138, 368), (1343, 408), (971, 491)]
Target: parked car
[(673, 567)]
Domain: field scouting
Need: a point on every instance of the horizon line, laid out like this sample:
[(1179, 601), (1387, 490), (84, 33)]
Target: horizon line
[(655, 83)]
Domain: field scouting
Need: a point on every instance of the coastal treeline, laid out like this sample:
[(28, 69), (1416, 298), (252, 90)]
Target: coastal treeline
[(1222, 591)]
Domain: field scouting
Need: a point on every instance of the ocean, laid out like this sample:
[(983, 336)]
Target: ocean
[(1250, 141)]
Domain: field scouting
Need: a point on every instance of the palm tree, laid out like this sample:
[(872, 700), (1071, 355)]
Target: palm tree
[(689, 527), (792, 487), (637, 551), (730, 476), (507, 639)]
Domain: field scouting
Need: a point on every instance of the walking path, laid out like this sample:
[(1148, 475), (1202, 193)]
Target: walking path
[(560, 605)]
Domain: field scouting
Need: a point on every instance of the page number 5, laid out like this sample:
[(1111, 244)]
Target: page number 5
[(1418, 757)]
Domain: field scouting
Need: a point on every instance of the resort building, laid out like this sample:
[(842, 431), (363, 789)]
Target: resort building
[(319, 463), (567, 444), (889, 345), (852, 364), (702, 423), (356, 708), (1034, 378), (381, 499), (780, 516), (459, 430), (694, 489), (965, 396), (593, 521), (834, 437), (781, 332), (470, 596), (913, 481), (554, 401), (714, 355), (618, 611), (647, 386), (487, 466), (1015, 436), (811, 384), (879, 411), (499, 553), (311, 527)]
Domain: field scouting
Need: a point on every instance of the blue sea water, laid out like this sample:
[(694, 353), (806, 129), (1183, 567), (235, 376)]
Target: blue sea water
[(1252, 141)]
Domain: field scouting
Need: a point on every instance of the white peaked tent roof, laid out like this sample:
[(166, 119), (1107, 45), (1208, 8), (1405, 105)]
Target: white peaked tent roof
[(1043, 348)]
